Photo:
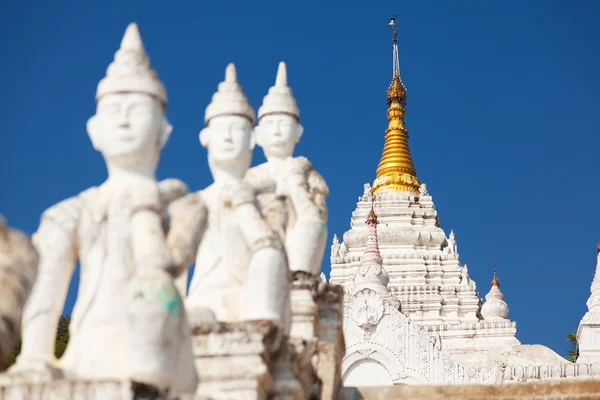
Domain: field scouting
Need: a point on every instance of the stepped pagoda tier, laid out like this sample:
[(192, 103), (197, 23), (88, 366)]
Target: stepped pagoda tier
[(421, 264)]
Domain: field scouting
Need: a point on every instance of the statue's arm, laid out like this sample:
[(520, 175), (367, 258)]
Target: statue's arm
[(55, 242), (188, 217), (306, 240), (306, 189), (267, 277), (175, 251)]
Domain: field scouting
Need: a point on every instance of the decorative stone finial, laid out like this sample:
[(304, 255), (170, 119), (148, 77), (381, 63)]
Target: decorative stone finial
[(495, 281), (494, 308), (229, 99), (130, 71), (371, 272), (280, 99)]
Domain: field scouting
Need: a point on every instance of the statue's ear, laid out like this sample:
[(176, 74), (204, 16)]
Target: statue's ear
[(253, 137), (93, 130), (165, 133), (299, 132), (204, 136), (258, 137)]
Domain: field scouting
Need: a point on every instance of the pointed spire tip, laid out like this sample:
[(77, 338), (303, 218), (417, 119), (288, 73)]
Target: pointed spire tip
[(281, 79), (132, 38), (230, 73)]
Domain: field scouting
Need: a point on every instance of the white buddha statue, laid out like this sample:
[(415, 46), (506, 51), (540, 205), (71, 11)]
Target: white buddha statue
[(241, 271), (295, 178), (117, 232)]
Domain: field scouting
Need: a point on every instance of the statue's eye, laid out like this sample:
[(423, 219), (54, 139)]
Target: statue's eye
[(140, 109), (110, 109)]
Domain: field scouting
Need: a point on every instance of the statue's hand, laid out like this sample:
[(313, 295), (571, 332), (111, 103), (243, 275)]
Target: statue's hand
[(289, 177), (31, 372), (171, 190), (236, 193), (146, 195)]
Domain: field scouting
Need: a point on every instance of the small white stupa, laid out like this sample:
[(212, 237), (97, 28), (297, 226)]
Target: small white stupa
[(494, 308)]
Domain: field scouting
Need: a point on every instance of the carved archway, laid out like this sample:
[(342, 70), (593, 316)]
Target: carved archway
[(368, 358), (367, 372)]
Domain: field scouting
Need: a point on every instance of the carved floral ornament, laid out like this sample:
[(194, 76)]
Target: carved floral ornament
[(367, 310)]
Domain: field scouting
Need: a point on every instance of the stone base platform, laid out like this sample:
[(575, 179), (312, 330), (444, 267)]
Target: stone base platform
[(562, 389), (84, 390), (235, 360)]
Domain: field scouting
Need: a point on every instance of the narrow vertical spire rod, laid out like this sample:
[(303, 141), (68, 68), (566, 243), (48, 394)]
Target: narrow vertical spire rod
[(495, 281), (394, 25)]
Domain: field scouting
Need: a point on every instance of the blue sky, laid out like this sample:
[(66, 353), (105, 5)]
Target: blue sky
[(502, 98)]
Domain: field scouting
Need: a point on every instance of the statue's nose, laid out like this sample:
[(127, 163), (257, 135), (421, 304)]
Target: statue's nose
[(123, 121)]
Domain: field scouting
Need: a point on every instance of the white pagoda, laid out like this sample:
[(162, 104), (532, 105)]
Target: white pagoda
[(425, 282)]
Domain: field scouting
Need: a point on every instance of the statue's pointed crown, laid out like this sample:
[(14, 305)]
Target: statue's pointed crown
[(229, 99), (130, 72), (280, 99)]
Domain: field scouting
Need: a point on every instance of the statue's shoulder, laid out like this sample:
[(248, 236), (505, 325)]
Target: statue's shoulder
[(66, 213), (257, 174), (188, 203), (171, 190), (316, 182), (303, 163)]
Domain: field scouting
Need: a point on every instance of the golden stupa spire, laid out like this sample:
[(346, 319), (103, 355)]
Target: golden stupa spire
[(396, 171)]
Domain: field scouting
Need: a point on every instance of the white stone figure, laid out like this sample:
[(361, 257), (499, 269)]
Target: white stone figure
[(494, 308), (323, 277), (465, 280), (117, 232), (367, 192), (241, 271), (277, 133), (423, 190), (452, 247), (18, 271), (335, 246)]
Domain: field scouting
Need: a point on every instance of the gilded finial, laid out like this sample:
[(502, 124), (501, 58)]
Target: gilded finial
[(372, 217), (495, 281), (396, 171)]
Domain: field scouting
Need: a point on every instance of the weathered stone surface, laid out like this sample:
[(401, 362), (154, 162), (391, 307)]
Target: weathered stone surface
[(86, 390), (562, 389), (331, 346), (233, 360)]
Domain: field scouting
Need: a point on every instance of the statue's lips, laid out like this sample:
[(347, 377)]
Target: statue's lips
[(227, 148)]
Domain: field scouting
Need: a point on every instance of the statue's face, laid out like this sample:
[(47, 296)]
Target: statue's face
[(229, 140), (278, 135), (128, 128)]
